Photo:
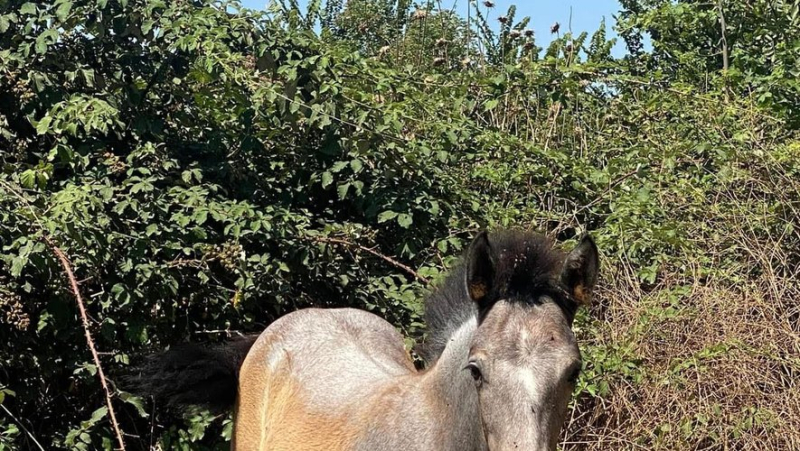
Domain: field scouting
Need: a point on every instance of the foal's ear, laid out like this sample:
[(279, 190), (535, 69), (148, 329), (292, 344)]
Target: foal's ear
[(480, 269), (580, 270)]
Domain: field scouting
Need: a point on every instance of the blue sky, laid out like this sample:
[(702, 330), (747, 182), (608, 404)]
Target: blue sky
[(586, 15)]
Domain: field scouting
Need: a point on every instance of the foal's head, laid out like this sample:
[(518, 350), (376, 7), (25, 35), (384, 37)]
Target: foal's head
[(523, 357)]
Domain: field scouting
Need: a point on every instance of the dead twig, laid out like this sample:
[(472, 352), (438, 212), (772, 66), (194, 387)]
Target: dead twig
[(610, 187), (393, 262), (723, 40), (89, 340), (38, 445)]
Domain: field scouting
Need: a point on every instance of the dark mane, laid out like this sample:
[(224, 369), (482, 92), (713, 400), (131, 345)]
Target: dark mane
[(527, 266)]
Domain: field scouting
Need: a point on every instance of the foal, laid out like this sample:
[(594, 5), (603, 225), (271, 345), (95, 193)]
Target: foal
[(502, 363)]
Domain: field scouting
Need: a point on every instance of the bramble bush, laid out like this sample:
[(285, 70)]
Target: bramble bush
[(208, 168)]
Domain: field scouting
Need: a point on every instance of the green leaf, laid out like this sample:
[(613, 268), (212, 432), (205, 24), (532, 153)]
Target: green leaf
[(327, 179), (64, 152), (356, 165), (338, 166), (121, 295), (28, 179), (386, 216), (200, 217), (342, 190), (88, 77), (63, 10), (405, 220), (49, 36), (135, 401), (43, 126), (28, 8), (17, 265), (45, 319), (98, 415), (147, 25), (91, 368)]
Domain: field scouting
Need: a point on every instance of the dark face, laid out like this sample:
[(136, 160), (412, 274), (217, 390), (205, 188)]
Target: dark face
[(524, 358), (527, 362)]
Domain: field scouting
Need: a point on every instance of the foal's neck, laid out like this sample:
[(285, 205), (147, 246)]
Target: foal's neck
[(455, 388)]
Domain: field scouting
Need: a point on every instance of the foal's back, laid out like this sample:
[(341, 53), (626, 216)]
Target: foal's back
[(309, 376)]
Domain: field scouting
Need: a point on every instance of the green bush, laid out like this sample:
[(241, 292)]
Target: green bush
[(208, 168)]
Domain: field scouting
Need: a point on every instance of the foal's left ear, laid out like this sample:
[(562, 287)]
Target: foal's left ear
[(480, 270), (580, 270)]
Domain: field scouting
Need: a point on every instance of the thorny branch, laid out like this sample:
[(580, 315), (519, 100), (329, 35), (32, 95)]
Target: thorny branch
[(89, 340)]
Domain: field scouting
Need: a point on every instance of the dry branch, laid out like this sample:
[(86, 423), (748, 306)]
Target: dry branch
[(22, 426), (610, 187), (724, 39), (393, 262)]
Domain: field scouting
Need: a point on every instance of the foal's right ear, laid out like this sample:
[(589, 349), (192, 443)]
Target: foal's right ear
[(581, 266), (480, 269)]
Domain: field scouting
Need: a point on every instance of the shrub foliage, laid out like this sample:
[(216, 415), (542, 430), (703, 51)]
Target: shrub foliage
[(209, 168)]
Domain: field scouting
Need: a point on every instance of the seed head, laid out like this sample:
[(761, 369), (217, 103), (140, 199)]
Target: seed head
[(488, 4), (555, 27), (502, 19)]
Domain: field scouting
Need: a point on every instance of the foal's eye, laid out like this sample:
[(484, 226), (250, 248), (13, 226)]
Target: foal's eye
[(475, 372)]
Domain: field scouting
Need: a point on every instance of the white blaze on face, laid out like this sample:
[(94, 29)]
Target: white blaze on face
[(530, 384), (527, 376)]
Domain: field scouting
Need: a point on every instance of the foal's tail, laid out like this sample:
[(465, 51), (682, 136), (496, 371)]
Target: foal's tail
[(189, 374)]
